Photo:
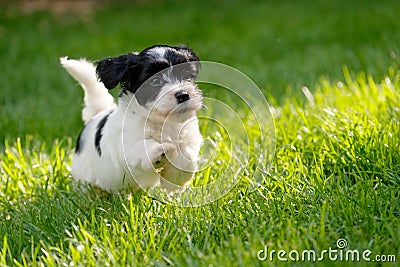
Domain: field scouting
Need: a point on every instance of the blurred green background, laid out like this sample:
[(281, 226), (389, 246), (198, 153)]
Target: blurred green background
[(281, 45)]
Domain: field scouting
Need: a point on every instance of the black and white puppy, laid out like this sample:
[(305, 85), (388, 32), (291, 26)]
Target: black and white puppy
[(152, 134)]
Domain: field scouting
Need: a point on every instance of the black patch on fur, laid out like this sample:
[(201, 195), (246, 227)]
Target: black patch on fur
[(99, 133), (79, 143)]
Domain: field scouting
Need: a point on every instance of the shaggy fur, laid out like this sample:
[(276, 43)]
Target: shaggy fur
[(152, 135)]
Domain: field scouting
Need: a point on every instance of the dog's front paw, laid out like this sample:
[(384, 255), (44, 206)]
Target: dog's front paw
[(163, 153)]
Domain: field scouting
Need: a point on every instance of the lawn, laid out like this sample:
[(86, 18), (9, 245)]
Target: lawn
[(329, 69)]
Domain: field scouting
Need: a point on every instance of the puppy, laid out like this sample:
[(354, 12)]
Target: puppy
[(152, 135)]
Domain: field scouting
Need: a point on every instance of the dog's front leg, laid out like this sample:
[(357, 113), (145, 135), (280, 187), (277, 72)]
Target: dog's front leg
[(150, 155), (144, 160), (177, 174)]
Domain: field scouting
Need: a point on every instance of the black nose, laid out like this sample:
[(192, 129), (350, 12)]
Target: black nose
[(182, 96)]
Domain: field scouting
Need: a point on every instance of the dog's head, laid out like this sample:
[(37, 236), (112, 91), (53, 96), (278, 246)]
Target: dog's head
[(160, 77)]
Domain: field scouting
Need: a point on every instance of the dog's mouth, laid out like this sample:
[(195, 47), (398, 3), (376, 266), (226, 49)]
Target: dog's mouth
[(179, 102), (185, 107), (181, 112)]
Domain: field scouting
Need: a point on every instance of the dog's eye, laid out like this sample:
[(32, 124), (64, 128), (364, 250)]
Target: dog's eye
[(187, 76), (156, 81)]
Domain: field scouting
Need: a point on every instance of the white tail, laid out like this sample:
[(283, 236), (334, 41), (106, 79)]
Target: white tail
[(97, 98)]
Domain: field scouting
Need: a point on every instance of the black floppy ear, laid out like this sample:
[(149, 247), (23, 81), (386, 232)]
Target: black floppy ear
[(112, 71)]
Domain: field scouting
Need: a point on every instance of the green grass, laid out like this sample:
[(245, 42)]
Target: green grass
[(335, 175), (279, 44), (336, 170)]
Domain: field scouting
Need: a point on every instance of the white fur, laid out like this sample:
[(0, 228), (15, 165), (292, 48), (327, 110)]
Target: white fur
[(135, 137)]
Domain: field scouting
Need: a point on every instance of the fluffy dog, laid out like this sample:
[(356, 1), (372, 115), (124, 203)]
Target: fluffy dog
[(152, 135)]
